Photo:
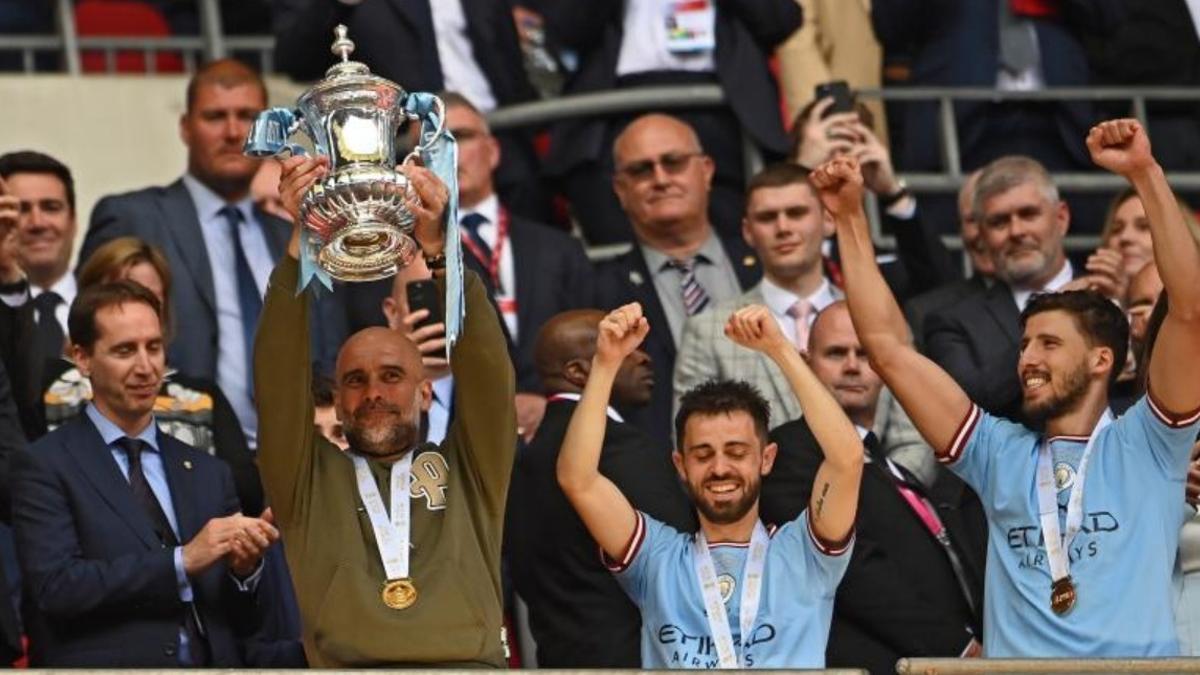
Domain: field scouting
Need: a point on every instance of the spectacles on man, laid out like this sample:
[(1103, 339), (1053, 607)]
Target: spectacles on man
[(674, 163)]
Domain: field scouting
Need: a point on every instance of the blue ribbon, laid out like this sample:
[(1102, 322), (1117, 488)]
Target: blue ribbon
[(441, 157), (269, 134)]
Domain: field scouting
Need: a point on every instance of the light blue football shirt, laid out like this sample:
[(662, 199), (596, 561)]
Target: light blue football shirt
[(796, 605), (1122, 558)]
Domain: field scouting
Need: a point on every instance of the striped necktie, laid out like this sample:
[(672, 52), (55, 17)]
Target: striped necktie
[(695, 298)]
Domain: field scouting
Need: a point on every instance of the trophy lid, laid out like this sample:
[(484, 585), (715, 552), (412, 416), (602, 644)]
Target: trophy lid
[(348, 83), (343, 46)]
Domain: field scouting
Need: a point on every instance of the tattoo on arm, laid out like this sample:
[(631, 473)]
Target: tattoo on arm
[(821, 501)]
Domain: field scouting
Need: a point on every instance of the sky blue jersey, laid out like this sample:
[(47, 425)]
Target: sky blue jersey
[(799, 581), (1121, 560)]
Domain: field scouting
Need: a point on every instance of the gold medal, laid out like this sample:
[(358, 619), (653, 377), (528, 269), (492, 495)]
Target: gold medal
[(399, 593), (1062, 595)]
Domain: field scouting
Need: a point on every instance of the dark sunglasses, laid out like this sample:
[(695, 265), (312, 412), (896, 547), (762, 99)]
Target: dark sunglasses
[(674, 163)]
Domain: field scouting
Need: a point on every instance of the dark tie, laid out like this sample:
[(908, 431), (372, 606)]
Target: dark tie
[(49, 331), (471, 223), (248, 296), (695, 298), (192, 626)]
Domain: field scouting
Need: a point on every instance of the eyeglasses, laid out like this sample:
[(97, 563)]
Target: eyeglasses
[(673, 163)]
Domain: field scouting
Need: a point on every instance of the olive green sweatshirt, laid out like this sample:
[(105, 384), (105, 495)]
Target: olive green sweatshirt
[(458, 494)]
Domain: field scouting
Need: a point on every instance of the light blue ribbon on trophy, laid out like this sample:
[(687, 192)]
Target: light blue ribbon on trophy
[(269, 137), (440, 155)]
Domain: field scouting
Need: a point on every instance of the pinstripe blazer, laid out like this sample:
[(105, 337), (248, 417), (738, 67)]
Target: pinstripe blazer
[(705, 353)]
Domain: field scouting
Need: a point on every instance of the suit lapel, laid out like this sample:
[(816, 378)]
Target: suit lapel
[(1000, 304), (180, 223), (524, 248), (97, 465), (419, 15), (640, 281), (180, 481)]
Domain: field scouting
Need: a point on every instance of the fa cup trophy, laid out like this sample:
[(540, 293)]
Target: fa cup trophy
[(358, 225)]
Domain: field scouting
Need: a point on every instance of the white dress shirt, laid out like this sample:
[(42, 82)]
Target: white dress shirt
[(438, 417), (644, 42), (490, 208), (780, 300), (1065, 274), (231, 342), (460, 69), (1194, 9)]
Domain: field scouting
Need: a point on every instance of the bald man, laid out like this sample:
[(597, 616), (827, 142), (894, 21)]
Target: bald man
[(579, 615), (905, 593), (678, 266), (394, 545)]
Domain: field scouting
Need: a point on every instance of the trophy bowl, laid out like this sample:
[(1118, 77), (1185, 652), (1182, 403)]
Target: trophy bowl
[(358, 222)]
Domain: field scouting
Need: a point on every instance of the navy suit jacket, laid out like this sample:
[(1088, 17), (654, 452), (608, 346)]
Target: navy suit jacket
[(396, 39), (100, 588), (956, 43), (747, 32), (626, 278), (166, 217)]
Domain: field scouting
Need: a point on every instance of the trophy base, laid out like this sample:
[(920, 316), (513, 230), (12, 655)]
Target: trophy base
[(366, 251)]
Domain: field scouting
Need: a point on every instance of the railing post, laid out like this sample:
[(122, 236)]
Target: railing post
[(1139, 109), (752, 161), (949, 129), (210, 29), (70, 39)]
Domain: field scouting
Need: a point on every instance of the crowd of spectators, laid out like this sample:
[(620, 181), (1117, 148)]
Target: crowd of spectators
[(200, 466)]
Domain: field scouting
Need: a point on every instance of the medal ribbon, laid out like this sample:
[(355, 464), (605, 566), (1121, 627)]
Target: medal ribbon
[(493, 265), (392, 536), (718, 621), (1058, 544)]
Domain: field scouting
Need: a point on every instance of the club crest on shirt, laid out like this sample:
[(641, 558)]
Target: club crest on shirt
[(1064, 476), (725, 584)]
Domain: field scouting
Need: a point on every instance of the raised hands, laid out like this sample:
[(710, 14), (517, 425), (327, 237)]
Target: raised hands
[(754, 327), (839, 184), (432, 197), (1105, 274), (621, 332), (239, 539), (825, 137), (296, 174), (1121, 146)]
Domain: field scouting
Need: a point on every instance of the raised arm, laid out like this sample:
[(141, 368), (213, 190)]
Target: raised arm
[(834, 501), (934, 401), (1123, 147), (606, 512)]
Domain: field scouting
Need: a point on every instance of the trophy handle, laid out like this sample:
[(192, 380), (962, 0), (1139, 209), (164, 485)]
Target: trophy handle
[(269, 134), (422, 106)]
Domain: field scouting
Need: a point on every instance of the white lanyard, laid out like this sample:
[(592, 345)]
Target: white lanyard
[(392, 536), (718, 621), (1056, 544)]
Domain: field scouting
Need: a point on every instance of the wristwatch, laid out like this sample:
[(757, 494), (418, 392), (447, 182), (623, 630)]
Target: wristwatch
[(887, 201), (436, 262)]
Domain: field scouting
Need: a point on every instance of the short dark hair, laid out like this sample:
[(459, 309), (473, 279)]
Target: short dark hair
[(780, 174), (225, 73), (81, 320), (1102, 323), (31, 161), (715, 397)]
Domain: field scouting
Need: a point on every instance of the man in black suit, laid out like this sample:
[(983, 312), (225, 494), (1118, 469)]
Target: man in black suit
[(626, 45), (131, 544), (915, 583), (679, 265), (983, 270), (579, 616), (468, 46), (12, 441), (220, 246), (1023, 221)]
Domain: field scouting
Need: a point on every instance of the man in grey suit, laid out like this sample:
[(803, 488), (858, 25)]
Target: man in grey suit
[(220, 246), (785, 225)]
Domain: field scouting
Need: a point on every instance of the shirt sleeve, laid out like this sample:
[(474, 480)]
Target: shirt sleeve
[(822, 561), (1168, 437), (970, 453), (634, 569), (185, 586)]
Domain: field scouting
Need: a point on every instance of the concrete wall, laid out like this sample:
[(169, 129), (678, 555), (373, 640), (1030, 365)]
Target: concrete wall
[(117, 133)]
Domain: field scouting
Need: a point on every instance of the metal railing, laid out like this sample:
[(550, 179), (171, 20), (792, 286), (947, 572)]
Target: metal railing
[(1082, 665)]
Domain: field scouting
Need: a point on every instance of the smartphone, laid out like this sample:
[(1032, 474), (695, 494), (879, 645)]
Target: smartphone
[(423, 294), (839, 91)]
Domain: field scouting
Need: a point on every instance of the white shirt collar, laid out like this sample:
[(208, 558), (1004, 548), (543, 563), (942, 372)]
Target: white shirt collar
[(65, 287), (209, 204), (489, 208), (573, 396), (1065, 274), (779, 300)]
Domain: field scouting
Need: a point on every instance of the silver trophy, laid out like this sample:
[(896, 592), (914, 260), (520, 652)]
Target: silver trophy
[(359, 226)]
